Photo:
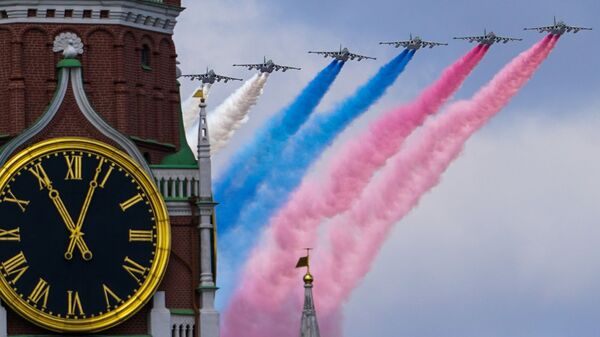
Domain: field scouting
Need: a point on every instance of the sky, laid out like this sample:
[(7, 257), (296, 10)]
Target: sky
[(506, 244)]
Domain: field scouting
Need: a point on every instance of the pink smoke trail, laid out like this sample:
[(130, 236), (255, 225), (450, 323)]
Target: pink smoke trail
[(357, 235), (348, 176)]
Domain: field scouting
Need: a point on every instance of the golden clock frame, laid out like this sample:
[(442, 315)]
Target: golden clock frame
[(163, 239)]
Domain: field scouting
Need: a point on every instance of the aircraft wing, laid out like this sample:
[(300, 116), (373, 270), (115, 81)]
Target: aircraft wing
[(541, 29), (249, 66), (576, 29), (360, 57), (432, 44), (278, 67), (501, 39), (397, 44), (325, 53), (198, 77), (225, 79), (471, 38)]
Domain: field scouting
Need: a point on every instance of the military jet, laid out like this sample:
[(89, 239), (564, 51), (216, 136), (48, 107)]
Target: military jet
[(268, 66), (414, 43), (210, 77), (488, 38), (343, 55), (558, 28)]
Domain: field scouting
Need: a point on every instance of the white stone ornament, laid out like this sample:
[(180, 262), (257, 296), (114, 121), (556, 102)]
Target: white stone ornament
[(69, 44)]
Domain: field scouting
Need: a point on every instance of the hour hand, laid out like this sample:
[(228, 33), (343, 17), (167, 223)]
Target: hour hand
[(76, 235)]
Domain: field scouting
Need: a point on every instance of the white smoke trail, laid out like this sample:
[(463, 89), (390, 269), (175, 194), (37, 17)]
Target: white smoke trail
[(229, 116)]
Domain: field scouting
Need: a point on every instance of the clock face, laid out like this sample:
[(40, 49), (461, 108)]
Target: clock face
[(84, 235)]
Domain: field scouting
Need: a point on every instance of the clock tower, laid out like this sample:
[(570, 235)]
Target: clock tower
[(92, 155)]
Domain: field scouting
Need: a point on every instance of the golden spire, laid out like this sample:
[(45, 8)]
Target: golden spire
[(305, 262)]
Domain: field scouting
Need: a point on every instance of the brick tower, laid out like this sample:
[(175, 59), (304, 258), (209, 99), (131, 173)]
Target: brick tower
[(122, 90)]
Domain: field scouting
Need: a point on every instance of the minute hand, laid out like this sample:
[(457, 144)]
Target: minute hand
[(86, 204), (64, 214)]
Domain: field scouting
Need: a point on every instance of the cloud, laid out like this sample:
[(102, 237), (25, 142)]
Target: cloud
[(506, 245)]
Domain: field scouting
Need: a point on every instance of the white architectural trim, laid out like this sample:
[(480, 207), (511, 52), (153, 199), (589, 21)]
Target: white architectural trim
[(179, 208), (42, 122), (147, 15), (182, 326), (159, 321)]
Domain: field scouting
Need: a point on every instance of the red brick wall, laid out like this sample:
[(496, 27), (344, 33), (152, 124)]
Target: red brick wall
[(137, 102), (181, 279)]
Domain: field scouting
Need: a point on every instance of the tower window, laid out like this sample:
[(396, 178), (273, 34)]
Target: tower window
[(104, 14), (68, 13), (31, 13), (146, 65), (4, 14), (87, 14), (50, 13)]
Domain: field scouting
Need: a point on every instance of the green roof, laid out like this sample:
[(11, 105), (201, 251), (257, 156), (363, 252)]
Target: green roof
[(185, 156)]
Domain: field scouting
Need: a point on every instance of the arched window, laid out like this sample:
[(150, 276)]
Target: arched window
[(146, 64)]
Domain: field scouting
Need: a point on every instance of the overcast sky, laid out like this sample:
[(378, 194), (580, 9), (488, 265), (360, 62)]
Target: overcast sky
[(508, 243)]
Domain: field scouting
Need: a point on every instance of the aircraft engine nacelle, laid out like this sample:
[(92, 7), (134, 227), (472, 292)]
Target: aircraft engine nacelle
[(283, 71)]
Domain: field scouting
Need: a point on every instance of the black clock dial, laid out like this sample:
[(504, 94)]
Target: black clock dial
[(78, 234)]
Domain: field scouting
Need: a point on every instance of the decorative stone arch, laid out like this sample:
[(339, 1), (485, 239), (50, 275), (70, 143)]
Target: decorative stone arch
[(95, 30), (38, 71), (120, 38), (146, 38), (22, 33)]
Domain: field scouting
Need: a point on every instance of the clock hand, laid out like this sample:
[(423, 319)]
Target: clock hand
[(64, 214), (86, 204)]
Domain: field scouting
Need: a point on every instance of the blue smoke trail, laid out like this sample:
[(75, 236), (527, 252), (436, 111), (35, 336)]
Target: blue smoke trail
[(301, 151), (250, 165)]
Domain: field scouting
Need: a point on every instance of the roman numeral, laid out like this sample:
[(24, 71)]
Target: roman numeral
[(134, 200), (73, 167), (74, 303), (108, 295), (140, 235), (11, 198), (16, 265), (41, 291), (10, 234), (38, 171), (110, 169), (134, 269)]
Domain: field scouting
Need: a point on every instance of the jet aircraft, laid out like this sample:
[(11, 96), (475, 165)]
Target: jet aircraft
[(268, 66), (343, 55), (414, 43), (210, 77), (487, 38), (558, 28)]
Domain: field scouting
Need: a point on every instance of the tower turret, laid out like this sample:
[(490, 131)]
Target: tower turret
[(209, 317), (309, 327)]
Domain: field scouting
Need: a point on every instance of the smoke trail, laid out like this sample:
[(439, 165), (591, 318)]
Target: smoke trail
[(357, 236), (305, 148), (230, 115), (339, 273), (252, 163), (285, 173)]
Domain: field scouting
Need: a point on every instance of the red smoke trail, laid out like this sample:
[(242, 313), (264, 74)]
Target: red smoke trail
[(357, 236), (350, 173)]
